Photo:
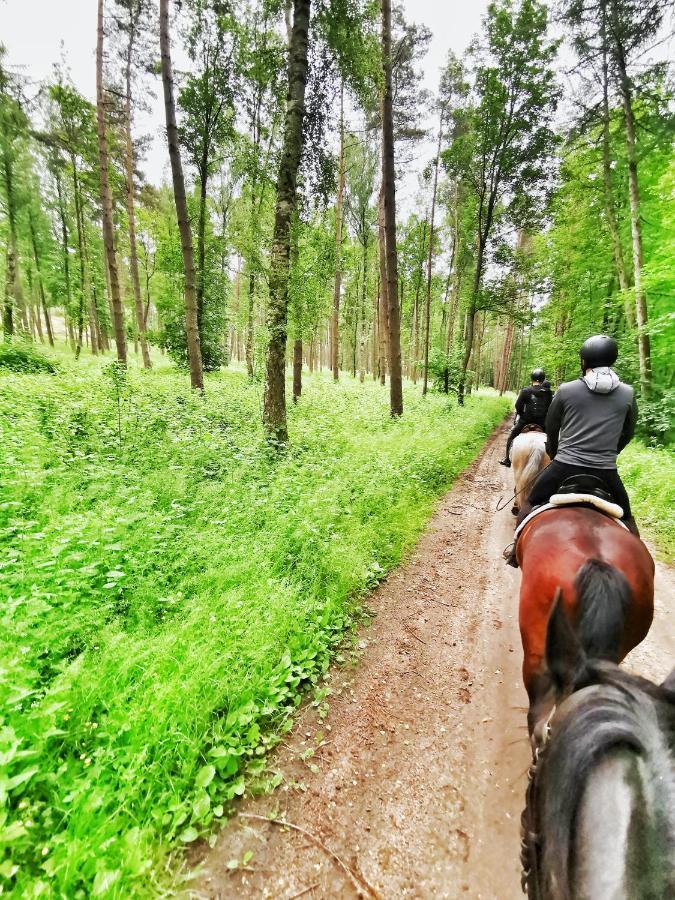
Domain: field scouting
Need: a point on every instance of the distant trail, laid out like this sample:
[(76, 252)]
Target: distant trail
[(419, 788)]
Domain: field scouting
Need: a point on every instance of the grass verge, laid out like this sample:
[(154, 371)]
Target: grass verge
[(649, 476), (169, 590)]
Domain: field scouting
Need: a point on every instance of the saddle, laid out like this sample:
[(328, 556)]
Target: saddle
[(579, 490), (532, 426)]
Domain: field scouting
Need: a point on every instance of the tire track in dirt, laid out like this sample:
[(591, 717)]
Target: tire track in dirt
[(419, 782)]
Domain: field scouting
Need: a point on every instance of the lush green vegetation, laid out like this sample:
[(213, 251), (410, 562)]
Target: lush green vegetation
[(170, 588), (649, 476)]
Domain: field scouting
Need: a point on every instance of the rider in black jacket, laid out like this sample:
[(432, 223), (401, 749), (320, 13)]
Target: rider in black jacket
[(531, 406)]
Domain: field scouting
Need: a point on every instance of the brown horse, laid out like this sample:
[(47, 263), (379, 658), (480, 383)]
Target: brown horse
[(606, 576)]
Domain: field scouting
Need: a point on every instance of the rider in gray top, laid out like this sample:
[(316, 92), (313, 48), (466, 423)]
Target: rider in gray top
[(588, 424)]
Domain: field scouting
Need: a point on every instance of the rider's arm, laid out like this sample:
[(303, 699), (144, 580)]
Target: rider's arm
[(521, 401), (553, 422), (629, 425)]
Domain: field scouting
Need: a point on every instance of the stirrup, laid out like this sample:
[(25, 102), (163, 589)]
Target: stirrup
[(505, 462)]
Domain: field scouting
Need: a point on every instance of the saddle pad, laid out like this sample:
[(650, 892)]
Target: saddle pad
[(588, 498), (605, 506)]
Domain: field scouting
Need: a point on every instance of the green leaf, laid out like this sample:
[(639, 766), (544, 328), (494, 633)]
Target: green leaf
[(189, 835), (205, 776), (201, 806), (104, 881)]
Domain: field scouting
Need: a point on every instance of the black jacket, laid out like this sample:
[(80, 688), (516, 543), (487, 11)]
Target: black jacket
[(533, 403)]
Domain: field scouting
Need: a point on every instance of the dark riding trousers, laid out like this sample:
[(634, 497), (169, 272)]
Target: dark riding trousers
[(553, 475)]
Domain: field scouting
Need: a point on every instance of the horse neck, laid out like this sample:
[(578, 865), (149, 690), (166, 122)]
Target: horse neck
[(607, 794), (623, 842)]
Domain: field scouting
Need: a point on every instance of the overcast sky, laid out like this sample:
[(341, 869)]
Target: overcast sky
[(38, 33)]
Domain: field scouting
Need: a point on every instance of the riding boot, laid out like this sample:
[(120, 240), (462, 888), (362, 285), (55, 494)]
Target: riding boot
[(510, 556), (505, 462), (630, 524)]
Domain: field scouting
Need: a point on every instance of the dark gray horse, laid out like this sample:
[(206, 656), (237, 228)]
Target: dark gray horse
[(599, 823)]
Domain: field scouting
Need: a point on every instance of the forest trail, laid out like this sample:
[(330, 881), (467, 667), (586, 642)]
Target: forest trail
[(419, 785)]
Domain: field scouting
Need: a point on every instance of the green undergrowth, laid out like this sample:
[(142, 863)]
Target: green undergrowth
[(18, 356), (170, 588), (649, 476)]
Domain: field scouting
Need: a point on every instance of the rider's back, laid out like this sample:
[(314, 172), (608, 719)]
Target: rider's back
[(537, 399), (591, 422)]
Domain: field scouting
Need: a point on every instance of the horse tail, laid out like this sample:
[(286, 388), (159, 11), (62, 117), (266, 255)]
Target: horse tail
[(603, 597)]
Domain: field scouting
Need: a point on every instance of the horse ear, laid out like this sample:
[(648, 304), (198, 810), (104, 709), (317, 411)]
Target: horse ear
[(565, 656)]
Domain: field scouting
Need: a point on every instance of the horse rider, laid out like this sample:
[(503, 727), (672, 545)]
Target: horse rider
[(531, 406), (588, 424)]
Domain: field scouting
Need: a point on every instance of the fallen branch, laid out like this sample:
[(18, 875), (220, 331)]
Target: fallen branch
[(306, 890), (359, 881)]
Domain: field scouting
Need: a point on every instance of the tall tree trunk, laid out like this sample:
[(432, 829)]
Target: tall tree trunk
[(106, 199), (274, 407), (13, 283), (374, 344), (201, 241), (64, 245), (470, 320), (383, 304), (610, 211), (131, 211), (430, 260), (389, 179), (191, 326), (85, 293), (335, 322), (644, 349), (363, 331), (250, 323), (8, 305), (41, 287), (506, 358), (35, 320), (297, 369)]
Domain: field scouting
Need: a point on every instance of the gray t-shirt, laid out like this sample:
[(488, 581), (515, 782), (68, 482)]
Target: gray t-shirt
[(589, 428)]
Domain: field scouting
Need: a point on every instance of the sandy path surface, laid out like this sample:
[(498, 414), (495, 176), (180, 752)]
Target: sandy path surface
[(416, 777)]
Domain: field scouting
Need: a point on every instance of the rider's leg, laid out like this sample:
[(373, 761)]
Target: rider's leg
[(616, 486), (515, 431), (546, 484)]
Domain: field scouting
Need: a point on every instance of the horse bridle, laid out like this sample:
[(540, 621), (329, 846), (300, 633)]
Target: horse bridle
[(530, 840)]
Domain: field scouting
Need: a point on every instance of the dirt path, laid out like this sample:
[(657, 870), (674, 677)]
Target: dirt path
[(418, 774)]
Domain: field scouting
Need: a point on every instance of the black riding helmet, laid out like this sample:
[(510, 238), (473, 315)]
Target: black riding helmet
[(537, 375), (599, 350)]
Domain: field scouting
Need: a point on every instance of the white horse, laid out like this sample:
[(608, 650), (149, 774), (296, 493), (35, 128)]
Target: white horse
[(528, 458)]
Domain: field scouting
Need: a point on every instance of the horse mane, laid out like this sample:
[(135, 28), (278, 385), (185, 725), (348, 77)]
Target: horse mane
[(616, 711)]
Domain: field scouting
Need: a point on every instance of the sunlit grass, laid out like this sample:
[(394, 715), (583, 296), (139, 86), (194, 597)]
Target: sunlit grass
[(170, 588)]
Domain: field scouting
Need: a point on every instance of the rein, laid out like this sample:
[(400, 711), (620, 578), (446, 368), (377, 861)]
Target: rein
[(499, 508), (530, 841)]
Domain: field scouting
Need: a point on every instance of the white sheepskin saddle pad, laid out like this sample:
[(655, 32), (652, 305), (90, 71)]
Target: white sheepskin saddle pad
[(605, 506)]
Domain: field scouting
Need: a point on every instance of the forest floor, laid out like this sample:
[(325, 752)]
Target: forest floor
[(413, 784)]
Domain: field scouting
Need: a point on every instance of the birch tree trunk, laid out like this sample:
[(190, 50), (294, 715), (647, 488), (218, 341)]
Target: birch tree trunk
[(106, 200), (274, 405), (191, 328)]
